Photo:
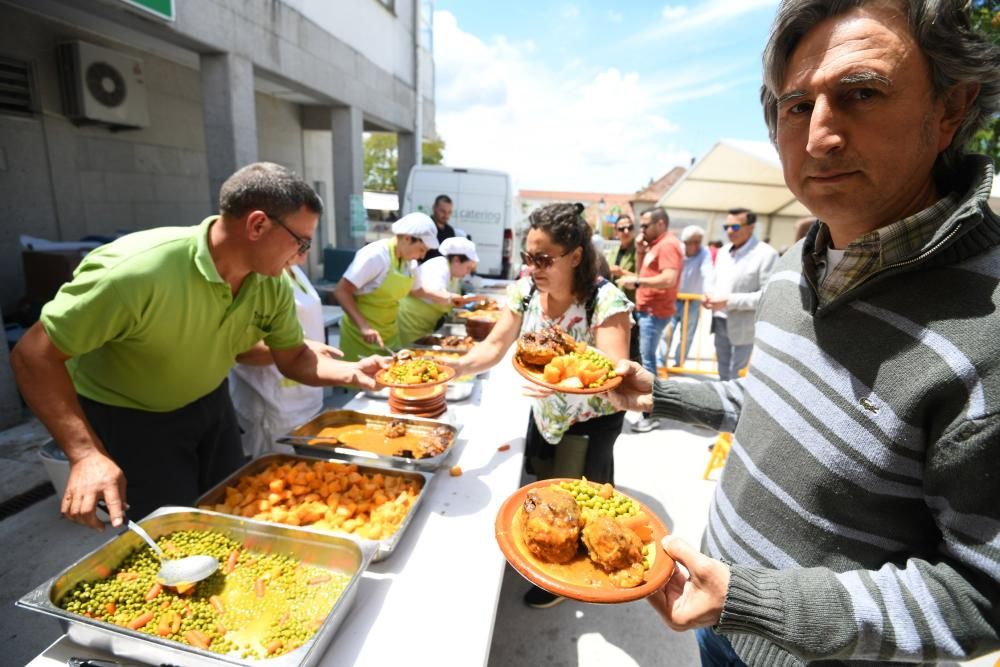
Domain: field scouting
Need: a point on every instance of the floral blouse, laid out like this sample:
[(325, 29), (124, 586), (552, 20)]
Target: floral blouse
[(556, 413)]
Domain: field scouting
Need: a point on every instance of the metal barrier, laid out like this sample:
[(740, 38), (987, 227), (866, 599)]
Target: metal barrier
[(699, 363)]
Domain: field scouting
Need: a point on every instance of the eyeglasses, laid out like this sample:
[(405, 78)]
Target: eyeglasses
[(304, 243), (540, 259), (626, 228)]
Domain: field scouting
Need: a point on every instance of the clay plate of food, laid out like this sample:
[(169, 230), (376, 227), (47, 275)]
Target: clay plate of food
[(414, 372), (552, 359), (583, 541)]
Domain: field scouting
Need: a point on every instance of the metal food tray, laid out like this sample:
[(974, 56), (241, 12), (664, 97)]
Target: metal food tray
[(383, 548), (332, 552), (436, 347), (302, 437)]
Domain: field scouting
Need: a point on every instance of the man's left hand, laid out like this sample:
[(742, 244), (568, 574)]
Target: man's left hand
[(366, 370), (715, 303), (323, 350), (693, 599)]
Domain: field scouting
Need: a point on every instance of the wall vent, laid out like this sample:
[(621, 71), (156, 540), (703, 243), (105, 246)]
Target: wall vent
[(17, 91)]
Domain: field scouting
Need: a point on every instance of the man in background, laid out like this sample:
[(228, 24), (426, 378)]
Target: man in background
[(695, 277), (656, 289), (742, 268), (441, 214)]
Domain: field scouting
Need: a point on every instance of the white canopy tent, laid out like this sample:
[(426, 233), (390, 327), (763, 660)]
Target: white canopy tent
[(735, 173)]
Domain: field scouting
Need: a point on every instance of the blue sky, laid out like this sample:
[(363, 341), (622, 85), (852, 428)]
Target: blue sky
[(595, 95)]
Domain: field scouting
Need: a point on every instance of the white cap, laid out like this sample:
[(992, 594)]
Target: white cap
[(457, 245), (419, 225)]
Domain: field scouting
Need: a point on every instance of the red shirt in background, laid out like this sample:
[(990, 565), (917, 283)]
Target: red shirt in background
[(665, 253)]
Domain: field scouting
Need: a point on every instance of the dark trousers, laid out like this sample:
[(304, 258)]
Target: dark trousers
[(170, 458), (586, 449), (716, 651)]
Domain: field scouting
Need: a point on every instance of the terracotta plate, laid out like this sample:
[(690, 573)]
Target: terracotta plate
[(537, 378), (517, 554), (383, 377)]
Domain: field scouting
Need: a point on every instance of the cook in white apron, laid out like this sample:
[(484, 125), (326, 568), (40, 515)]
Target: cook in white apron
[(268, 405)]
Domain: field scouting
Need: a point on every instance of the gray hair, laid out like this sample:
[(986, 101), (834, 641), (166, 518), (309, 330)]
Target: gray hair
[(955, 52), (690, 232), (267, 187)]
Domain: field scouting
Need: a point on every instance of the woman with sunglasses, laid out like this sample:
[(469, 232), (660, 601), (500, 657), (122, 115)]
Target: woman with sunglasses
[(378, 278), (568, 435), (622, 261)]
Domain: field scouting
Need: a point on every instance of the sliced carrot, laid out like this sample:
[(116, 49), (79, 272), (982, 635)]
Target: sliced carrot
[(259, 588), (175, 622), (319, 579), (184, 589), (503, 448), (216, 602), (197, 638), (231, 561), (102, 571), (140, 621), (153, 591), (127, 576), (165, 605), (273, 646), (110, 608)]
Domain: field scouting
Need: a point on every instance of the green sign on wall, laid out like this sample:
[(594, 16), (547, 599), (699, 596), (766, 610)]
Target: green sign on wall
[(163, 9)]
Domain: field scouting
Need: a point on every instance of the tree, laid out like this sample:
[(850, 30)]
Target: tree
[(985, 16), (382, 156)]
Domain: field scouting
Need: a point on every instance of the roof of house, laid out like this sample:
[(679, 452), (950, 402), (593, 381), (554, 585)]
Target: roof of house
[(659, 187)]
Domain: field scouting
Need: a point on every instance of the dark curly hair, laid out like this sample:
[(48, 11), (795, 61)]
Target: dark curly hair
[(566, 227)]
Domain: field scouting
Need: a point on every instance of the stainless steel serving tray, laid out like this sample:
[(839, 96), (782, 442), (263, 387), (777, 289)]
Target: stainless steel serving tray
[(332, 552), (303, 437), (383, 548), (436, 347)]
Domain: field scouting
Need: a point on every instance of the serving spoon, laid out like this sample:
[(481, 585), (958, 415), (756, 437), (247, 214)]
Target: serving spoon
[(173, 571)]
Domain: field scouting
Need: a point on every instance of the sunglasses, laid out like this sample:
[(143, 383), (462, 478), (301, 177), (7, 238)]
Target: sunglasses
[(734, 227), (627, 228), (540, 259), (304, 243)]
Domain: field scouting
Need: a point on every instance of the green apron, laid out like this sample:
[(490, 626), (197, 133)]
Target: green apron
[(417, 318), (381, 308)]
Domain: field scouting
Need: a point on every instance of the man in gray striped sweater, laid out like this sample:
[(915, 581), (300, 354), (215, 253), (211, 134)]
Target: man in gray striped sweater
[(858, 516)]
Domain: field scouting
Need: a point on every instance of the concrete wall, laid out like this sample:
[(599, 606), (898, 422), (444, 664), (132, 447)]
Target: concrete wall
[(279, 133), (64, 182)]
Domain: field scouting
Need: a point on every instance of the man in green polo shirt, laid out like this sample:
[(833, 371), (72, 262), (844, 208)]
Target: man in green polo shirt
[(127, 366)]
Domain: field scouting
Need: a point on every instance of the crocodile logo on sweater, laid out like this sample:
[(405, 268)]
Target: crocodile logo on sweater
[(869, 406)]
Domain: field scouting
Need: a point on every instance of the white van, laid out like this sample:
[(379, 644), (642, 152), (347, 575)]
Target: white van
[(484, 208)]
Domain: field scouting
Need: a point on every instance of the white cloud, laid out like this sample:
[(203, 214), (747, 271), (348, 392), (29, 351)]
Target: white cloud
[(572, 129), (670, 12), (710, 13)]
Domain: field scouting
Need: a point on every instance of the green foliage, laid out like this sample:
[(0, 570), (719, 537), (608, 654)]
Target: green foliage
[(381, 158), (985, 15)]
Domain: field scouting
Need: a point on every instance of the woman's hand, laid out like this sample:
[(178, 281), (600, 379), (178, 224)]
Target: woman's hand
[(695, 594), (636, 390), (532, 390), (372, 337)]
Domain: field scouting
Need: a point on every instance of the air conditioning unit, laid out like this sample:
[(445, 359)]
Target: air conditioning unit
[(100, 85)]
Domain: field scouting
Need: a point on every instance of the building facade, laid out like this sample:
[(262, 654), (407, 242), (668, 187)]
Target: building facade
[(208, 86)]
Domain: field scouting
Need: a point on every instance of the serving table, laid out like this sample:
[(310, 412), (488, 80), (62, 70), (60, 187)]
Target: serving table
[(434, 601)]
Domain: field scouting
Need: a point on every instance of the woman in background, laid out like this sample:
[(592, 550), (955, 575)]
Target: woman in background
[(437, 289), (378, 278)]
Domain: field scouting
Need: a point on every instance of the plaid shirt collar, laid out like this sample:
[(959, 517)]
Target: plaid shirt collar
[(878, 249)]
